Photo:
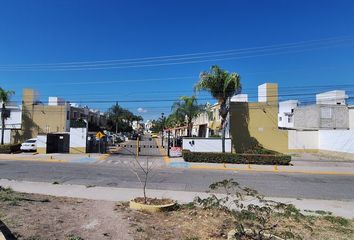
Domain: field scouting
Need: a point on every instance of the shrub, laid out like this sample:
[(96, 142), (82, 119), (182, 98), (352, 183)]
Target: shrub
[(263, 159), (10, 148)]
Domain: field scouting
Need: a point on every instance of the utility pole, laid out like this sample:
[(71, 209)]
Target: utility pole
[(117, 120), (168, 143), (163, 126)]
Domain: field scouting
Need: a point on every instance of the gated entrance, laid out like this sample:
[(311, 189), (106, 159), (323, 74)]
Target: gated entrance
[(146, 146), (58, 143)]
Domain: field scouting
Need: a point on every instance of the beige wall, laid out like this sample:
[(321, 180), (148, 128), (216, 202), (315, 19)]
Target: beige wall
[(263, 126), (257, 123), (38, 118)]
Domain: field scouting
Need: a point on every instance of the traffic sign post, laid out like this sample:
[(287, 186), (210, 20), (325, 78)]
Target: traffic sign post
[(99, 136)]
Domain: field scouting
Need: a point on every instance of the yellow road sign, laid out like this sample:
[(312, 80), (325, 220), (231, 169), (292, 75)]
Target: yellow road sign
[(99, 135)]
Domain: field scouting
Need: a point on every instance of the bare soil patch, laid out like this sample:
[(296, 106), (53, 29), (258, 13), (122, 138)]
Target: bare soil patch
[(40, 217)]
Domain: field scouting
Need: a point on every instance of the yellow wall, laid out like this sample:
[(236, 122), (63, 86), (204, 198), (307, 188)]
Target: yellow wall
[(257, 122), (38, 119), (77, 150), (41, 150), (263, 126)]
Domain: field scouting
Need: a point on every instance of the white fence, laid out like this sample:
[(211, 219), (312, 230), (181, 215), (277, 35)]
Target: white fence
[(303, 139), (78, 137), (336, 140), (327, 140), (206, 144)]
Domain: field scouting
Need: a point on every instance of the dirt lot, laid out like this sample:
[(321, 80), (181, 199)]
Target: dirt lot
[(38, 217)]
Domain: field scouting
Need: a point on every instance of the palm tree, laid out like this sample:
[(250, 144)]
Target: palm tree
[(221, 85), (188, 108), (4, 98)]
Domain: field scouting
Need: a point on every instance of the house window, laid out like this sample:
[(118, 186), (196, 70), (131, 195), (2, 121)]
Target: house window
[(290, 119), (67, 115), (280, 119)]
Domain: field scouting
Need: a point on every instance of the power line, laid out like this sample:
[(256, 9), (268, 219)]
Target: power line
[(183, 55), (164, 63)]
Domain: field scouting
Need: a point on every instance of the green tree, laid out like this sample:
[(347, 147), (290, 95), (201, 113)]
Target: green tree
[(157, 125), (187, 108), (120, 119), (4, 98), (175, 120), (221, 85)]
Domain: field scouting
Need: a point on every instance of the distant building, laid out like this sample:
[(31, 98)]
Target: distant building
[(239, 98), (336, 97), (321, 116), (13, 123), (148, 126), (286, 113), (329, 112), (56, 116)]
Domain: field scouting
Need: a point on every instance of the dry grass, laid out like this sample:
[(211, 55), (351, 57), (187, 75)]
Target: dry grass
[(39, 217), (189, 223)]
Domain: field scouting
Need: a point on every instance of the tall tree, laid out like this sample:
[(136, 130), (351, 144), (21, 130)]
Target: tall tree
[(221, 85), (4, 98), (120, 119), (188, 108)]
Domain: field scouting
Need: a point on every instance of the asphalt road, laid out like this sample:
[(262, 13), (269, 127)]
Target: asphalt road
[(332, 187)]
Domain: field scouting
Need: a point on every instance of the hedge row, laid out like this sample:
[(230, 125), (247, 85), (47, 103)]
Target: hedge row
[(262, 159), (10, 148)]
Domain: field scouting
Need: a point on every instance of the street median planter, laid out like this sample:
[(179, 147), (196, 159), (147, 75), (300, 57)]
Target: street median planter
[(152, 205), (235, 158)]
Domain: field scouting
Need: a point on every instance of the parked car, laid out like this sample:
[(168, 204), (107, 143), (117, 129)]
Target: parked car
[(29, 145), (154, 135)]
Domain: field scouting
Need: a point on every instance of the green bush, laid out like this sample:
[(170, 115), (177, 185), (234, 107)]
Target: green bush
[(262, 159), (10, 148)]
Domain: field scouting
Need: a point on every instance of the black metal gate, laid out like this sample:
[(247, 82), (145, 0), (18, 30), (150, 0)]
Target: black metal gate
[(58, 143)]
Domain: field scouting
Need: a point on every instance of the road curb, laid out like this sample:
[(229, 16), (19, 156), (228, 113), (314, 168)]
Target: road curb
[(104, 157), (275, 170), (34, 160)]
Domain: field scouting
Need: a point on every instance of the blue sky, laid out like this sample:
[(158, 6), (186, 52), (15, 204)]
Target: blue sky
[(50, 32)]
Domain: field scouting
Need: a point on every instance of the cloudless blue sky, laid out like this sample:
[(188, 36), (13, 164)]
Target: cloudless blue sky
[(42, 32)]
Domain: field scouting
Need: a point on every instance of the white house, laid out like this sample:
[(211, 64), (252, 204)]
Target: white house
[(13, 122), (239, 98), (286, 113), (335, 97)]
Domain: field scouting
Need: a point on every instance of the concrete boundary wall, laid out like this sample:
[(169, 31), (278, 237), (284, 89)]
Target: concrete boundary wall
[(42, 143), (206, 144), (336, 141), (304, 140), (78, 140)]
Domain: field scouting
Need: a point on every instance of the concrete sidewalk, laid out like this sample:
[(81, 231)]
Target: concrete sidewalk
[(55, 157), (299, 166), (338, 208)]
